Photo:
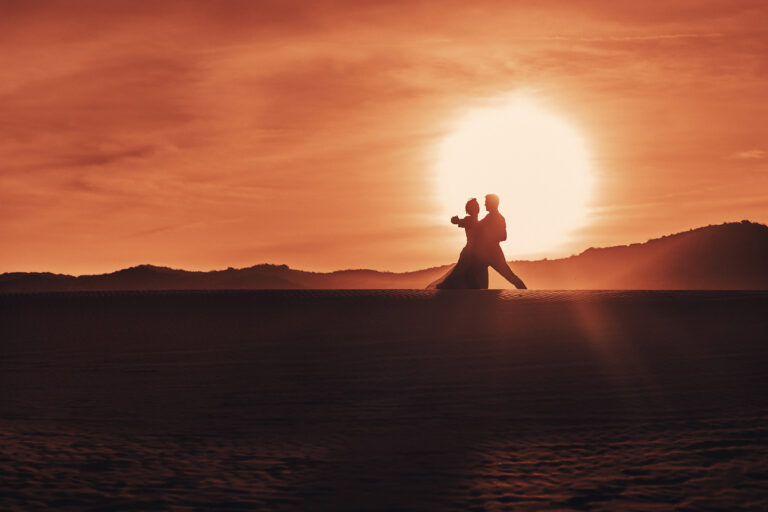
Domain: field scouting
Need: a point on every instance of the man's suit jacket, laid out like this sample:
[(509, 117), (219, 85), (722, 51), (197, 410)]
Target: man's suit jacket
[(493, 228)]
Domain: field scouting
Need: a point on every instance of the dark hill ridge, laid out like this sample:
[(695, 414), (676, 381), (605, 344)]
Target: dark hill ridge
[(727, 256)]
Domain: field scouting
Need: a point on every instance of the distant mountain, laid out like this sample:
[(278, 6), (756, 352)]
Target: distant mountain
[(727, 256), (730, 256), (150, 277)]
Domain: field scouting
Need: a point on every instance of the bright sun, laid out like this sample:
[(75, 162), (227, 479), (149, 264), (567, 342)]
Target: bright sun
[(534, 161)]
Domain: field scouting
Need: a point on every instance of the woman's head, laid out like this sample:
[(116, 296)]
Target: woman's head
[(472, 207)]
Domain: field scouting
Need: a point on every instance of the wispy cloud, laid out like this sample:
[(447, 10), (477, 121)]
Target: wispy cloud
[(751, 154), (645, 37)]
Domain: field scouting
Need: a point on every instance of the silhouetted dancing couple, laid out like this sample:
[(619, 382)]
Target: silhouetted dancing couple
[(482, 249)]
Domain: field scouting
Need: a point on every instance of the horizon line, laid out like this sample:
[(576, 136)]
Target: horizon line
[(360, 269)]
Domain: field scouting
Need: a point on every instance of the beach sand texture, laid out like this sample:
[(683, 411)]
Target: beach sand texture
[(384, 400)]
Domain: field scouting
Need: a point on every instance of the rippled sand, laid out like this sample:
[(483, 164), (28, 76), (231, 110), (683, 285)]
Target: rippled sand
[(384, 400)]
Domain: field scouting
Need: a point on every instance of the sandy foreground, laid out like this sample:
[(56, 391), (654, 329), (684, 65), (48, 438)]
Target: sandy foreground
[(384, 400)]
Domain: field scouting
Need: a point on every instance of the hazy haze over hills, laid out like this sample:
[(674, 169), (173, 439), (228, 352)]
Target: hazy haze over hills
[(726, 256)]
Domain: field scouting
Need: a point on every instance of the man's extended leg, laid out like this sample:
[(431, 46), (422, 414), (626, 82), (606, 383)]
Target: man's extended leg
[(499, 264)]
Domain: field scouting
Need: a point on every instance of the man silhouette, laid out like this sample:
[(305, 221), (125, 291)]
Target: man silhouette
[(493, 231)]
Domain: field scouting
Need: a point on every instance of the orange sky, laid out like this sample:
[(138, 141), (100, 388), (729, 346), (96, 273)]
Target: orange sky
[(203, 135)]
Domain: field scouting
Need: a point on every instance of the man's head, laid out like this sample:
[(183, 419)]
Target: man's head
[(492, 202)]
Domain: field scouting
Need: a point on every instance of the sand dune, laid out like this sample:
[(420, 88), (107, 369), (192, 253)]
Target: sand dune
[(384, 400)]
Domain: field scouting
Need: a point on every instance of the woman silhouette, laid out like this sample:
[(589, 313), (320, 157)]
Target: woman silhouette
[(470, 271)]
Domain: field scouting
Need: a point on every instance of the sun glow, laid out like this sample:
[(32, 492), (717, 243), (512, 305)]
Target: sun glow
[(534, 161)]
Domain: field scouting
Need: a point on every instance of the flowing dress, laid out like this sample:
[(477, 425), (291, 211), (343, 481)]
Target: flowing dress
[(471, 271)]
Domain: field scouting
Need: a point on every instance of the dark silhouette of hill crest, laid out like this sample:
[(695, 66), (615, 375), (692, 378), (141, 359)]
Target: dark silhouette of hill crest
[(726, 256)]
